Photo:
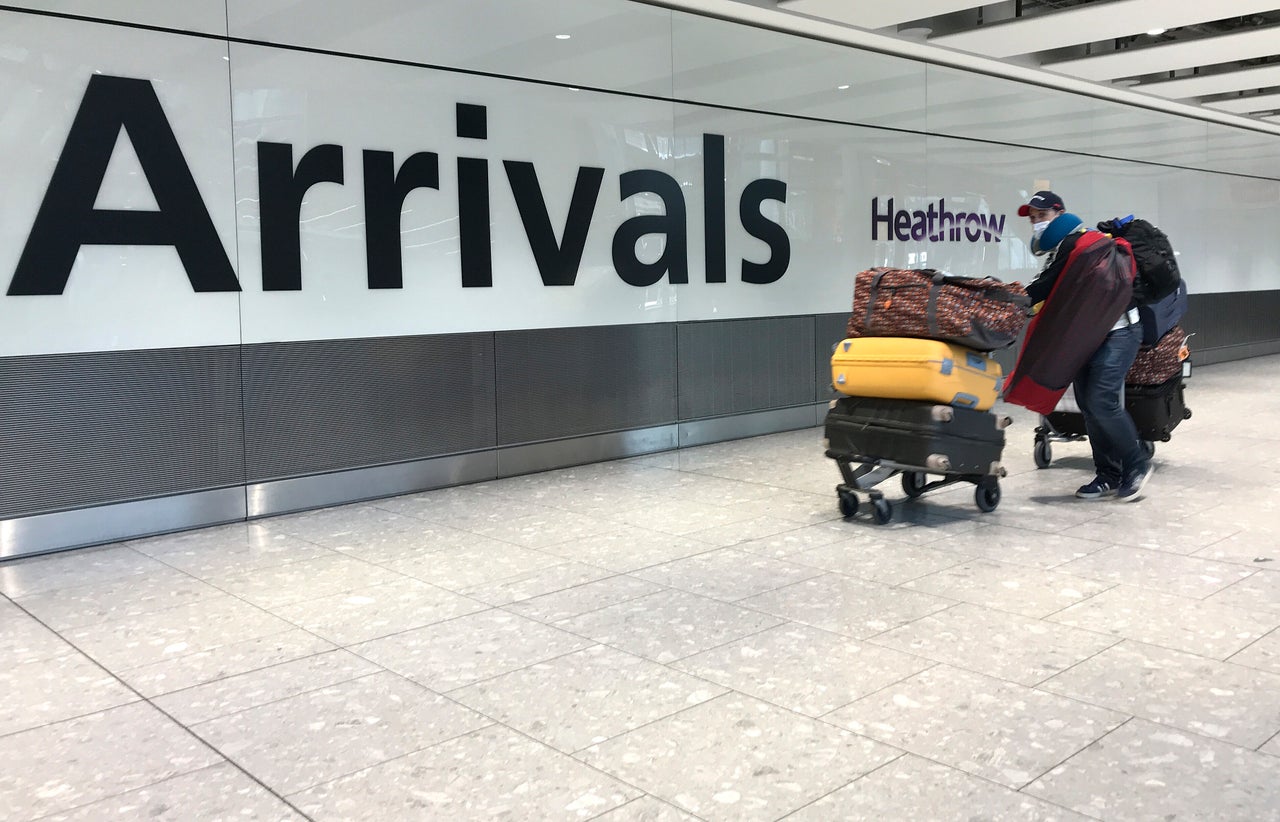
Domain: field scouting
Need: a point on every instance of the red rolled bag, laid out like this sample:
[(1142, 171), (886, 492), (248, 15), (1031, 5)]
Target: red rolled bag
[(1089, 296)]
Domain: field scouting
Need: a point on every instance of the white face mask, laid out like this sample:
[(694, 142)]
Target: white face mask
[(1036, 230)]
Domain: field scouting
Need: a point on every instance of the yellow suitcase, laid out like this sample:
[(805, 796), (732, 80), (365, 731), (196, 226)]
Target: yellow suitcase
[(909, 368)]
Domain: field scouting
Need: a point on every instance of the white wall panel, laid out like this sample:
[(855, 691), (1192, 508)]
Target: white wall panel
[(117, 297), (961, 104), (307, 100), (204, 16), (832, 172), (981, 177), (773, 97), (613, 45)]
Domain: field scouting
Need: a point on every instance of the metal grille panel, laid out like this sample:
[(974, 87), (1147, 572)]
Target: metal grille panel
[(736, 366), (327, 405), (566, 382), (88, 429), (828, 330)]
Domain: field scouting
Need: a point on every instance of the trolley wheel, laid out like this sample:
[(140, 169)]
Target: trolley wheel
[(987, 496), (913, 483), (1043, 453), (848, 504), (1148, 448), (881, 510), (1186, 413)]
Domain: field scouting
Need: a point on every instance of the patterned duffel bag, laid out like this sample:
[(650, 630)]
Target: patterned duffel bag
[(981, 313), (1161, 362)]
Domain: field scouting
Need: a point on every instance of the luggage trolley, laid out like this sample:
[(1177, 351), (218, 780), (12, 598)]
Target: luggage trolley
[(873, 440), (1156, 410)]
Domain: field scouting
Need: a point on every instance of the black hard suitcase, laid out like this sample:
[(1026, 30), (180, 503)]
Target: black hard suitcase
[(1156, 409), (924, 435)]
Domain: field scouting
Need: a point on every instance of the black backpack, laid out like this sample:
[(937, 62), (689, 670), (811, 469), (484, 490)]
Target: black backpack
[(1158, 275)]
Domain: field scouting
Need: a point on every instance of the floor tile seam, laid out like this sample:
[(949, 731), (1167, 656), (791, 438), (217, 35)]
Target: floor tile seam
[(1274, 737), (669, 665), (974, 670), (254, 572), (80, 626), (1000, 609), (1168, 723), (1150, 587), (452, 693), (823, 717), (960, 560), (83, 805), (1225, 566), (1118, 641), (150, 703), (1256, 572), (133, 700), (508, 540), (238, 639), (310, 689), (491, 722), (485, 609), (1265, 617), (70, 589), (709, 549), (1273, 632), (510, 606), (608, 575), (985, 675), (656, 798), (437, 585), (1023, 788), (292, 795), (781, 621), (1049, 617), (874, 636), (838, 788)]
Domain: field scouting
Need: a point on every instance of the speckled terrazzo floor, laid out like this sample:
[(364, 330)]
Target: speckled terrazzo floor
[(692, 635)]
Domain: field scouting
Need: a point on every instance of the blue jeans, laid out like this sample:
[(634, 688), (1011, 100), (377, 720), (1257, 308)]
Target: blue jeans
[(1099, 388)]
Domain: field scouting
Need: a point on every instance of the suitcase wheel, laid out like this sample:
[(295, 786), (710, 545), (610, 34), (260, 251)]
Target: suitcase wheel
[(1043, 453), (881, 510), (987, 496), (1186, 413), (848, 504)]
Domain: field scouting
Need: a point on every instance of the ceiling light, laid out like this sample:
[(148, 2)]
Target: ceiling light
[(842, 88), (1154, 32), (915, 32), (563, 36)]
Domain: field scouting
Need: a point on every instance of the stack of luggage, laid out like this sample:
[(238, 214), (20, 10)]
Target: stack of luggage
[(919, 383)]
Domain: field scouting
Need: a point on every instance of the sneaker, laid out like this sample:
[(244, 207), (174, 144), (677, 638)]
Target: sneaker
[(1131, 488), (1097, 489)]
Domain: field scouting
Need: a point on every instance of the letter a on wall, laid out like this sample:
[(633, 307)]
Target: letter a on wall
[(67, 219)]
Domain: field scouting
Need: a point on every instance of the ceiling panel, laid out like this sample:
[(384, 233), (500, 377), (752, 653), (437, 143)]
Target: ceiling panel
[(1181, 56), (1097, 21), (875, 14), (1207, 51), (1243, 105), (1204, 84)]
